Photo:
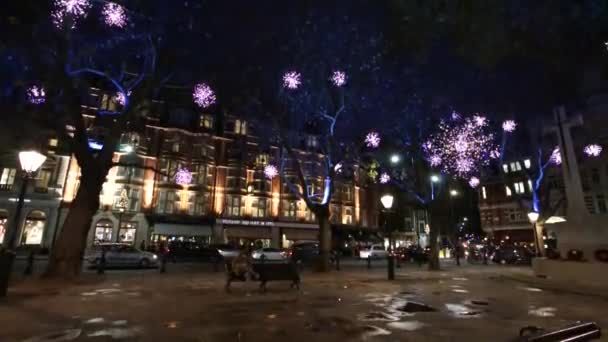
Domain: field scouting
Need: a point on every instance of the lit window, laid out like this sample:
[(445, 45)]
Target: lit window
[(483, 192), (312, 141), (8, 177), (530, 185), (519, 188), (527, 163), (517, 166), (206, 121), (240, 127), (53, 142), (262, 159), (175, 147), (508, 191), (505, 168)]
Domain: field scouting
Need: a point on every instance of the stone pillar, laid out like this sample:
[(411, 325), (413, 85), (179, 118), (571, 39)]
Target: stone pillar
[(277, 238)]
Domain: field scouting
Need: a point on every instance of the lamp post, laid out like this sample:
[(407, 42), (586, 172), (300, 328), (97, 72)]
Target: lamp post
[(454, 193), (387, 203), (533, 217), (30, 162)]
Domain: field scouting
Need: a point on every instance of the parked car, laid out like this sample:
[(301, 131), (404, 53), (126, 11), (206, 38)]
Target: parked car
[(270, 254), (306, 252), (374, 252), (225, 251), (121, 255), (512, 255)]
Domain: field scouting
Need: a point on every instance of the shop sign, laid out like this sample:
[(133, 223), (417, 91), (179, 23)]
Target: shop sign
[(248, 223)]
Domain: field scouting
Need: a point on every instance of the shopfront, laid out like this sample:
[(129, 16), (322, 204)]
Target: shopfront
[(193, 233), (33, 228)]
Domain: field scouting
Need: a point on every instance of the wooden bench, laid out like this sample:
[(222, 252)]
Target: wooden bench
[(267, 272)]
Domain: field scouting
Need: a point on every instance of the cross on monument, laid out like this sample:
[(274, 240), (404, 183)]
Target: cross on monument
[(570, 173)]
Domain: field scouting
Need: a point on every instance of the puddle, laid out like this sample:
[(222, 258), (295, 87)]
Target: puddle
[(460, 310), (377, 316), (479, 302), (531, 289), (115, 333), (108, 291), (120, 322), (64, 335), (272, 316), (406, 294), (460, 291), (413, 307), (95, 320), (460, 278), (371, 331), (171, 324), (407, 325), (545, 311)]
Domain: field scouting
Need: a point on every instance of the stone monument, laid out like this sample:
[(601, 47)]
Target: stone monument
[(581, 232)]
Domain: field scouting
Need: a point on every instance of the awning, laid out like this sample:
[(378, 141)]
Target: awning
[(181, 229), (300, 234), (248, 232)]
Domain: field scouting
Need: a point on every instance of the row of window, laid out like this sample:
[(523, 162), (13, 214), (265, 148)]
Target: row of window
[(515, 166), (41, 180), (518, 187)]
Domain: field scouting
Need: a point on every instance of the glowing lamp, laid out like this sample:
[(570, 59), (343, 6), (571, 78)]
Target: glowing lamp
[(533, 216), (31, 161), (387, 201)]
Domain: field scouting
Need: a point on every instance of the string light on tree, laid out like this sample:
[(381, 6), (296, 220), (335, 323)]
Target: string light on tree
[(70, 9), (384, 178), (461, 147), (509, 125), (495, 153), (183, 177), (36, 95), (372, 140), (114, 15), (291, 80), (593, 150), (270, 171), (203, 95), (474, 182), (338, 78), (556, 156)]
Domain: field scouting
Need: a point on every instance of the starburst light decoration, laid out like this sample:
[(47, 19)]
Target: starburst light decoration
[(291, 80), (338, 78), (372, 140), (120, 98), (556, 156), (270, 171), (384, 178), (338, 167), (509, 125), (183, 177), (460, 147), (72, 9), (593, 150), (36, 95), (495, 153), (474, 182), (455, 116), (203, 95), (114, 15)]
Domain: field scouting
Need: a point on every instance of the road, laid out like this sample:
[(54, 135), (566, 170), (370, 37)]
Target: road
[(469, 303)]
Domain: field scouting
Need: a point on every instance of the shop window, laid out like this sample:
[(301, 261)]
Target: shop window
[(33, 228), (103, 231), (7, 178), (233, 205), (127, 231), (289, 209)]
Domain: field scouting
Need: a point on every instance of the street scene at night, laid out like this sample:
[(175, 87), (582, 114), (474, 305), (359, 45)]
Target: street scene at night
[(309, 170)]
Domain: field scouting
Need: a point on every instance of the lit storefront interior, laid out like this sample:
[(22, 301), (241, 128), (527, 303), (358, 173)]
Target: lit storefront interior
[(33, 228)]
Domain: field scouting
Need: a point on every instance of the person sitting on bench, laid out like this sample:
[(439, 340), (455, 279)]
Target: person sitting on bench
[(242, 267)]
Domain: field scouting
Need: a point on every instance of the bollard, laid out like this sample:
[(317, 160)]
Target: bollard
[(29, 268), (101, 266), (391, 267), (369, 262), (163, 263)]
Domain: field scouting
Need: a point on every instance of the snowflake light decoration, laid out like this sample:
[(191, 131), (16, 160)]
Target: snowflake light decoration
[(338, 168), (372, 140), (474, 182), (384, 178), (203, 95), (556, 156), (114, 15), (593, 150), (509, 125), (460, 147), (291, 80), (338, 78), (183, 177), (455, 116), (120, 98), (270, 171), (36, 95), (73, 9)]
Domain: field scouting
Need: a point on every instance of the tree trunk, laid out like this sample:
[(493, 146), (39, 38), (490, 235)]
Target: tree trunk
[(66, 256), (539, 238), (433, 235), (324, 243)]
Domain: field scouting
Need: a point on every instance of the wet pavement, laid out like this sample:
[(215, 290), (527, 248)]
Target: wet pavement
[(352, 305)]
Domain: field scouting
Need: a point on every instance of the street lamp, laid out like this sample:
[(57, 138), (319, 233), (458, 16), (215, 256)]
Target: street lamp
[(453, 193), (395, 158), (30, 162), (387, 203), (533, 217), (435, 179)]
